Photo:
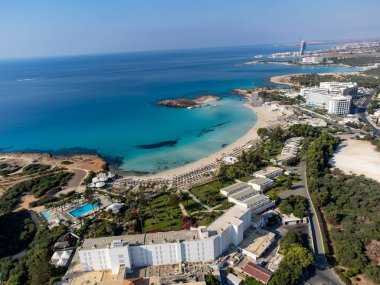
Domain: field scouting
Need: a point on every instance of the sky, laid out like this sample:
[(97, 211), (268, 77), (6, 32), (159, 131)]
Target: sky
[(68, 27)]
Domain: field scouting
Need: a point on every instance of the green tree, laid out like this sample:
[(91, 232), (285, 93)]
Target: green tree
[(291, 237), (251, 281), (211, 280)]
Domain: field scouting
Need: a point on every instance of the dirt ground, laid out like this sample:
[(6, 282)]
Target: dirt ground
[(357, 157), (80, 165)]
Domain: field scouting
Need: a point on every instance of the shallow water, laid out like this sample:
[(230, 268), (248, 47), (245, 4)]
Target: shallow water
[(106, 104)]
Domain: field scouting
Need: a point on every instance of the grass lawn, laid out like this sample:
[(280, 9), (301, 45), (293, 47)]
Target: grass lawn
[(209, 193), (192, 206), (206, 218), (246, 178), (225, 206), (162, 214)]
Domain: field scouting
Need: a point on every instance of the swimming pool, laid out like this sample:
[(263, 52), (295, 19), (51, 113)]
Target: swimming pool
[(46, 215), (83, 210)]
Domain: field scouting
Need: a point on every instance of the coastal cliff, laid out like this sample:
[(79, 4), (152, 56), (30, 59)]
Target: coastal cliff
[(187, 103)]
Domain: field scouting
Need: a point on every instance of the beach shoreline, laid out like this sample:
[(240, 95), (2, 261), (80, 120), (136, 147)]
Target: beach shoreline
[(264, 116)]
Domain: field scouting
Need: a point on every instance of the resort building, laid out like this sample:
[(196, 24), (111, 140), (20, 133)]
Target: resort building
[(289, 151), (344, 88), (142, 250), (61, 258), (235, 188), (333, 96), (261, 184), (268, 172), (246, 196), (259, 273), (256, 243), (258, 204), (292, 220), (340, 105), (233, 279)]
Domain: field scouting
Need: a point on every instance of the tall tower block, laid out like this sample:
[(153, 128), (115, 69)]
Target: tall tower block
[(302, 47)]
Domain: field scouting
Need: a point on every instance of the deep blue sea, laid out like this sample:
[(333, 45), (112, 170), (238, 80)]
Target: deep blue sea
[(106, 103)]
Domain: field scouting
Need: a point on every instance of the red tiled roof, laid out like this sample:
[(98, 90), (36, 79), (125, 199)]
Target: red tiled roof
[(133, 281), (258, 272)]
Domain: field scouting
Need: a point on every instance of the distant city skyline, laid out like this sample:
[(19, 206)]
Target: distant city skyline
[(55, 28)]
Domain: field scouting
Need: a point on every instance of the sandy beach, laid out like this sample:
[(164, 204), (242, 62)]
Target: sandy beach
[(94, 163), (264, 115), (357, 157)]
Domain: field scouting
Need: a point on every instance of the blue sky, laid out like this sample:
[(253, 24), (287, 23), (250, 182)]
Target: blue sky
[(34, 28)]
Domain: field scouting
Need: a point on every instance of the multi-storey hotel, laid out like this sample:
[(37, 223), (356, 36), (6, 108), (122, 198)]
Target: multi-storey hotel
[(141, 250), (333, 96)]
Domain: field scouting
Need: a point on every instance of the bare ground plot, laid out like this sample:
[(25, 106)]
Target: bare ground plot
[(357, 157)]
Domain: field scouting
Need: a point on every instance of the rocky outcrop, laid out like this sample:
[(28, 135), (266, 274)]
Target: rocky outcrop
[(187, 103)]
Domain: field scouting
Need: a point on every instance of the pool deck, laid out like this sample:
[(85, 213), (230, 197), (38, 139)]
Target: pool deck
[(64, 213)]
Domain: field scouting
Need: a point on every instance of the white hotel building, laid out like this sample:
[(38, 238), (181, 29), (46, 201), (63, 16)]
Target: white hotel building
[(333, 96), (201, 244)]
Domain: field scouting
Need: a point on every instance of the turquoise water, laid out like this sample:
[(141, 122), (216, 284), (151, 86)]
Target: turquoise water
[(105, 104), (46, 215), (83, 210)]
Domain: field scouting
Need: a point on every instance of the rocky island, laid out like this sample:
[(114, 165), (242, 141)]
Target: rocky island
[(188, 103)]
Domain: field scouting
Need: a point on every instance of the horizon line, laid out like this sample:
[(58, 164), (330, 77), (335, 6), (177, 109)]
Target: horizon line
[(310, 42)]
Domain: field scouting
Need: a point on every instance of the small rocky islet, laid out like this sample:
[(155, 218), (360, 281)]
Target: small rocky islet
[(188, 103)]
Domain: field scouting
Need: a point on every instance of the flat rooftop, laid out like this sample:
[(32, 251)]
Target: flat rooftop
[(140, 239), (257, 241), (260, 181), (232, 216), (256, 200), (235, 188), (244, 195), (268, 171)]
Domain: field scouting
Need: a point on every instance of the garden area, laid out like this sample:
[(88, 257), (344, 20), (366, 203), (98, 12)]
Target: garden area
[(161, 213), (209, 193), (192, 206), (205, 218)]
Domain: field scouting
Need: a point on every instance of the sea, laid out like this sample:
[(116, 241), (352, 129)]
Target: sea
[(106, 104)]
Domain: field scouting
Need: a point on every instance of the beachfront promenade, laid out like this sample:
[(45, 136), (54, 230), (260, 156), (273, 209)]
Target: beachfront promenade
[(205, 169)]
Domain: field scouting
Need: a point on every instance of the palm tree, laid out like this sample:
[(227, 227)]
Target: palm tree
[(186, 197)]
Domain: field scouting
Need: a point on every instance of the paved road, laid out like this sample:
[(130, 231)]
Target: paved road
[(323, 274), (327, 119), (360, 110)]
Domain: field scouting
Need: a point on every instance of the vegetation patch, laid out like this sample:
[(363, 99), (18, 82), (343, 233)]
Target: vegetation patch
[(225, 206), (295, 204), (276, 96), (295, 262), (209, 193), (34, 268), (205, 218), (17, 231), (6, 169), (192, 206), (37, 186), (162, 213), (35, 168)]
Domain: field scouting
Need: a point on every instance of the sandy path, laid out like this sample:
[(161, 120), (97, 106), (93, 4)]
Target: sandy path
[(357, 157)]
